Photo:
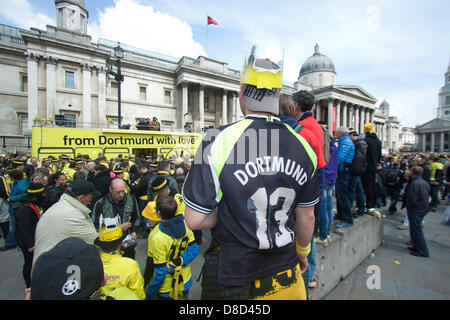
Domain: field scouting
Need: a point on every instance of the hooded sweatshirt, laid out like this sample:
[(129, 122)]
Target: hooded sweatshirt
[(168, 241)]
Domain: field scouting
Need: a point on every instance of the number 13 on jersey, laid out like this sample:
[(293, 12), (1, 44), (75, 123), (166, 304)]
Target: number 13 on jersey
[(278, 205)]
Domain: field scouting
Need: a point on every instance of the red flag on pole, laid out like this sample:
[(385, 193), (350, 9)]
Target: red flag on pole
[(212, 21)]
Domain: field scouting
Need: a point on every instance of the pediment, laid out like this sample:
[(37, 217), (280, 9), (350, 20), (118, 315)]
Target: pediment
[(356, 90), (436, 123)]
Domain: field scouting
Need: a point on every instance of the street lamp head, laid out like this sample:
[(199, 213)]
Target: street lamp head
[(118, 51)]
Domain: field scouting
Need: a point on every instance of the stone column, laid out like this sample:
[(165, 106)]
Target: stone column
[(317, 110), (442, 143), (356, 125), (349, 115), (224, 108), (235, 110), (338, 114), (433, 141), (184, 103), (201, 107), (51, 86), (101, 95), (423, 139), (32, 75), (361, 119), (344, 114), (87, 96), (330, 116)]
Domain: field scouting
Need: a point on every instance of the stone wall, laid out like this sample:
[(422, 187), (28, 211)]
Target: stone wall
[(348, 247)]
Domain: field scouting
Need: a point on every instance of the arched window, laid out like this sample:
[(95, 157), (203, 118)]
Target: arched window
[(447, 100)]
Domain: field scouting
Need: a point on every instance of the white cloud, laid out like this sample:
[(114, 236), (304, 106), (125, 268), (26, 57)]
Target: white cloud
[(141, 26), (21, 14)]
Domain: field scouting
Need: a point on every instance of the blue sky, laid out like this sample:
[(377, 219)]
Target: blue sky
[(397, 50)]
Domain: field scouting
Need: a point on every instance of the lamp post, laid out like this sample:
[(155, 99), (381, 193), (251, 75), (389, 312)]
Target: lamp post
[(118, 54)]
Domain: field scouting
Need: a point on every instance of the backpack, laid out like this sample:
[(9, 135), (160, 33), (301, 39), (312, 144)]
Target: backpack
[(326, 144), (392, 177), (359, 164), (298, 128)]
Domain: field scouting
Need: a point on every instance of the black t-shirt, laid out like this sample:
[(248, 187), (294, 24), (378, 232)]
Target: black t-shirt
[(255, 172)]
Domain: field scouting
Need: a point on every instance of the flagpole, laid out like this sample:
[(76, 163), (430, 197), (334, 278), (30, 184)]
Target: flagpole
[(207, 36)]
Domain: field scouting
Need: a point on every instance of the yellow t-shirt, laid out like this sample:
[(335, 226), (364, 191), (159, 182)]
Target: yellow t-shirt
[(122, 272)]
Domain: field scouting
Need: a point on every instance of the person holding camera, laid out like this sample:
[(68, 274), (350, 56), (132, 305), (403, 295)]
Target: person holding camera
[(122, 272), (118, 203)]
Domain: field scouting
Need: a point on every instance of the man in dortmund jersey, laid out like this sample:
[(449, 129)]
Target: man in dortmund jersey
[(252, 182)]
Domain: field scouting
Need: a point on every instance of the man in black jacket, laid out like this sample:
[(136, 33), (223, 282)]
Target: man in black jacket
[(101, 182), (373, 156), (139, 190), (417, 206), (27, 217), (118, 203), (394, 184), (421, 161)]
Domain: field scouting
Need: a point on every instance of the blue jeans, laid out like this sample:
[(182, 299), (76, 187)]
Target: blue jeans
[(344, 208), (394, 193), (141, 205), (11, 238), (357, 192), (415, 228), (435, 195), (326, 212), (309, 274)]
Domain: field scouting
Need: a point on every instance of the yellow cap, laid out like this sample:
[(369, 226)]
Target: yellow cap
[(150, 212)]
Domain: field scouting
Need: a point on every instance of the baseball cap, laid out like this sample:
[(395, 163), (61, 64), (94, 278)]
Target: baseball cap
[(72, 270), (82, 187)]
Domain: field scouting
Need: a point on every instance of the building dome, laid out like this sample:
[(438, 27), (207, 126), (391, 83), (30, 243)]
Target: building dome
[(317, 62)]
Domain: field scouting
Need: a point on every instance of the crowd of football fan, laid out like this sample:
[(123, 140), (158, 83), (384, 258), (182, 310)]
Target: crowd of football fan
[(128, 197)]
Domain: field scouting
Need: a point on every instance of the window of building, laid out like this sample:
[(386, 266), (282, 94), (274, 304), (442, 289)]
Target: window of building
[(70, 80), (23, 123), (66, 120), (143, 93), (167, 97), (167, 126), (24, 83), (114, 89), (447, 100)]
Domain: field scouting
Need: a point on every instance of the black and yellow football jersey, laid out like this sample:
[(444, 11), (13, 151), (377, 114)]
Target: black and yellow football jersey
[(255, 172)]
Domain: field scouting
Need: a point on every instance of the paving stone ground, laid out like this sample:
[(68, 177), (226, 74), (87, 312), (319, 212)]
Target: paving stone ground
[(403, 276)]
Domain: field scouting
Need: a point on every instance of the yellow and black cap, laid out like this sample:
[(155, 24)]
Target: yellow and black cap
[(35, 188), (18, 163), (118, 169), (159, 183)]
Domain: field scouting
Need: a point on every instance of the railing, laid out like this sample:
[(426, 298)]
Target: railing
[(101, 125), (15, 142)]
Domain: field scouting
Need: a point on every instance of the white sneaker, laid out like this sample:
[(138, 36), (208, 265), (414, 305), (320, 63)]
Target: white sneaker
[(322, 242)]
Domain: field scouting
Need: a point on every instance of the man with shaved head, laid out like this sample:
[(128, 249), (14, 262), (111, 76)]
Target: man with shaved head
[(89, 167), (118, 203)]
